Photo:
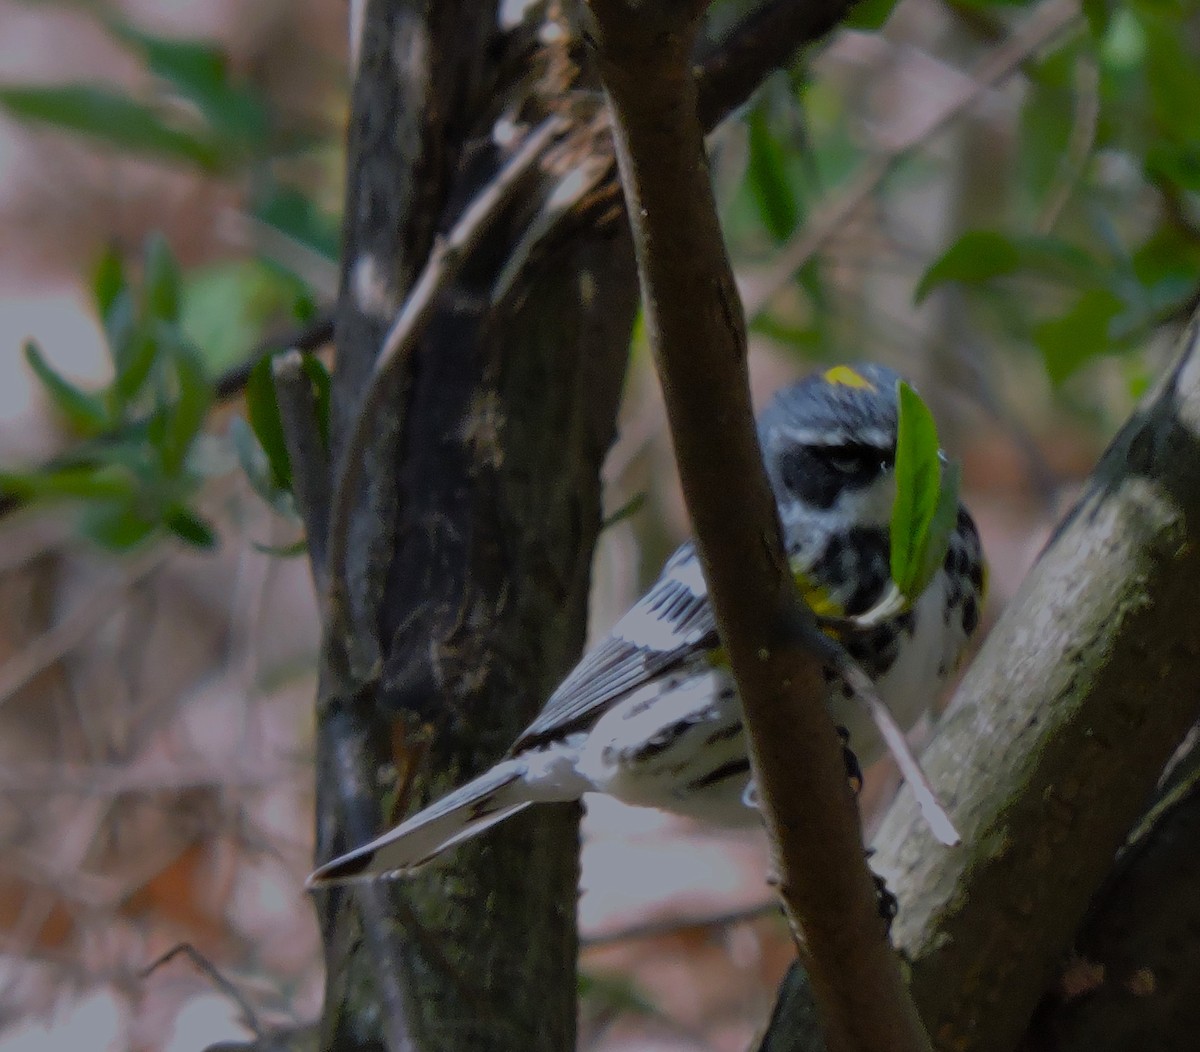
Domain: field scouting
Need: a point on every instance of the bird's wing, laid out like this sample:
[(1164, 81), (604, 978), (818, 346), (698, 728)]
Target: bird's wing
[(670, 623)]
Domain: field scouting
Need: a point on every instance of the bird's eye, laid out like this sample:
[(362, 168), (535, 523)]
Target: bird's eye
[(857, 461)]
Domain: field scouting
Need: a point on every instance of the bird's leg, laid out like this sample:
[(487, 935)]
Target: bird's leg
[(888, 904)]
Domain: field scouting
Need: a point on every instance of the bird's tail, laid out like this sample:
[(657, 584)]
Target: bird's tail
[(478, 805)]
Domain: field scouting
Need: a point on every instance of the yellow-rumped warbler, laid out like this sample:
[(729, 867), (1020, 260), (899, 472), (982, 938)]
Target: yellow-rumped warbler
[(651, 714)]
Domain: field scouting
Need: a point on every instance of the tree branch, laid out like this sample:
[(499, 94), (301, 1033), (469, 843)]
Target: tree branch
[(1059, 733), (1131, 981), (697, 331), (766, 39)]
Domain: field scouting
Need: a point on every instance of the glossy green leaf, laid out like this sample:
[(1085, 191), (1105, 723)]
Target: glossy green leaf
[(162, 281), (108, 281), (111, 117), (941, 525), (254, 463), (869, 15), (198, 71), (90, 482), (84, 412), (189, 527), (262, 408), (768, 178), (117, 527), (134, 362), (299, 216), (184, 418), (1081, 334), (918, 475), (977, 256)]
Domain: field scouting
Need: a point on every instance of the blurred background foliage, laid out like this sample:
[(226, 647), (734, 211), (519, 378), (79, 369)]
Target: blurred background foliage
[(998, 198)]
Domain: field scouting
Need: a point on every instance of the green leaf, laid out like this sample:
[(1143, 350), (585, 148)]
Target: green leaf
[(626, 511), (869, 15), (162, 281), (90, 482), (84, 412), (111, 117), (116, 527), (108, 281), (1075, 338), (768, 178), (1098, 13), (185, 416), (613, 994), (918, 486), (297, 215), (982, 255), (263, 411), (977, 256), (258, 471), (133, 362), (189, 527), (227, 306), (198, 70), (941, 526)]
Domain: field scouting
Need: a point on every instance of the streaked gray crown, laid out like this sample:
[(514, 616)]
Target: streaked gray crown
[(822, 411), (831, 432)]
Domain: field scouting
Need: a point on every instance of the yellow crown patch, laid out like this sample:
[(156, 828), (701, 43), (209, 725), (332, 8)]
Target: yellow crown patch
[(844, 376)]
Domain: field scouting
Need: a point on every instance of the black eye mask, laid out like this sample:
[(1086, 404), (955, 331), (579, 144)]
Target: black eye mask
[(816, 475)]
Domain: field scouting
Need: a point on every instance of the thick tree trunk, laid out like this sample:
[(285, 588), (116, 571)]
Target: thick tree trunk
[(469, 555)]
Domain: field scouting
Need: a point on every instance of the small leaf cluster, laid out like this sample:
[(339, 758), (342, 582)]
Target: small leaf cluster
[(132, 467), (196, 116), (260, 444), (1122, 255)]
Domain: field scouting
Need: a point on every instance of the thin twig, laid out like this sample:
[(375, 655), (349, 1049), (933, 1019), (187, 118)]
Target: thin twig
[(58, 641), (672, 925), (306, 453), (443, 266), (1042, 26), (766, 39), (214, 976), (1080, 143), (309, 337)]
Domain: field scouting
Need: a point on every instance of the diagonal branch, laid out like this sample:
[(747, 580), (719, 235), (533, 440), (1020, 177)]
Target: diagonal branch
[(1059, 732)]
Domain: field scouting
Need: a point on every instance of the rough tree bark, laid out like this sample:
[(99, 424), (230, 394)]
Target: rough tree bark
[(467, 567), (1130, 981)]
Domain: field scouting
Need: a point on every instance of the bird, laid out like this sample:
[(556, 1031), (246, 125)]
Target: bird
[(650, 714)]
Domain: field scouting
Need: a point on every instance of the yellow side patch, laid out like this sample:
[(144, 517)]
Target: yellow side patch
[(844, 376), (819, 601), (718, 657)]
